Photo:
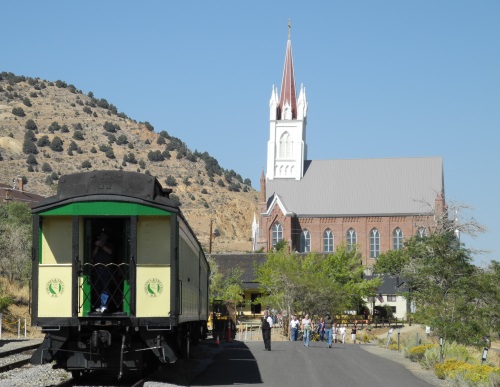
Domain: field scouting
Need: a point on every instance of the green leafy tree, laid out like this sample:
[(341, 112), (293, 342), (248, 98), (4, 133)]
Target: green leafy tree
[(86, 164), (103, 103), (490, 306), (29, 147), (314, 283), (54, 127), (279, 280), (46, 167), (31, 160), (391, 262), (171, 181), (149, 126), (78, 135), (56, 145), (15, 241), (225, 286), (30, 124), (19, 112), (130, 158), (445, 286), (121, 140), (43, 141)]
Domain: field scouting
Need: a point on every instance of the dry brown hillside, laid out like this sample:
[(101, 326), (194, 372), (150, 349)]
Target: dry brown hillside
[(56, 111)]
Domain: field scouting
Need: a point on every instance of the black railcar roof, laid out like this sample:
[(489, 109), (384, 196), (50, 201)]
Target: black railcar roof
[(104, 185)]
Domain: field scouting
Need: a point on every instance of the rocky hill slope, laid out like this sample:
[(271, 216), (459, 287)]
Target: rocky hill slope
[(48, 129)]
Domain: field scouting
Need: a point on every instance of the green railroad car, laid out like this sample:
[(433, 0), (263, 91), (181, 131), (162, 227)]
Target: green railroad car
[(120, 281)]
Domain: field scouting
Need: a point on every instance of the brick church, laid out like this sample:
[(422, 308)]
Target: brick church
[(316, 205)]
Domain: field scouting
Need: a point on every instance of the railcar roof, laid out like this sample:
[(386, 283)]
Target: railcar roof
[(101, 185)]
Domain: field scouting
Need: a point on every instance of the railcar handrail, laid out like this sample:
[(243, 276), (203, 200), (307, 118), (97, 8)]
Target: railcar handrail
[(111, 279)]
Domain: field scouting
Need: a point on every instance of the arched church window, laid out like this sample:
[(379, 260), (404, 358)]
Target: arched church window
[(397, 239), (351, 239), (277, 233), (305, 242), (328, 241), (285, 146), (374, 243)]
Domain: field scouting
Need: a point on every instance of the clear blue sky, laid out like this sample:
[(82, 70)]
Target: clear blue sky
[(383, 78)]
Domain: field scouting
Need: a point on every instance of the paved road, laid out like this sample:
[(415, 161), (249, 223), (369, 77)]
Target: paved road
[(291, 364)]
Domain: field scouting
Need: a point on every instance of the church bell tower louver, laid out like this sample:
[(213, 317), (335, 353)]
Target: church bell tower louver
[(286, 148)]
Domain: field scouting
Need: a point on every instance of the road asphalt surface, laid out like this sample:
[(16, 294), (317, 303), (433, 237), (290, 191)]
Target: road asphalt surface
[(292, 364)]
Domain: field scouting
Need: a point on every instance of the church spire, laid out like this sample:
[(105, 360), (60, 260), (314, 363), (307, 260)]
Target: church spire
[(288, 97)]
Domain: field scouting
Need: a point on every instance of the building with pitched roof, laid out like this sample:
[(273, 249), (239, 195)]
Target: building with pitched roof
[(16, 193), (315, 205)]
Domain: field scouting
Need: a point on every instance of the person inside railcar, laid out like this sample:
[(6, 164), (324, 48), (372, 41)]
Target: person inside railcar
[(102, 256)]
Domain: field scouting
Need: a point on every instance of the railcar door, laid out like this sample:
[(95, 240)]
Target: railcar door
[(104, 278)]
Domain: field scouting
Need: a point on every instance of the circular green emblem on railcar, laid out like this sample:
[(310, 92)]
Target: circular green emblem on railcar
[(153, 287), (54, 287)]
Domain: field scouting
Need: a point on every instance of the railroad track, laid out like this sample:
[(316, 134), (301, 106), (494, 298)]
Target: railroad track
[(22, 354), (103, 379)]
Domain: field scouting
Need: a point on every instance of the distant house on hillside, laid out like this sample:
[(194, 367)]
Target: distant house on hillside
[(244, 262), (16, 193)]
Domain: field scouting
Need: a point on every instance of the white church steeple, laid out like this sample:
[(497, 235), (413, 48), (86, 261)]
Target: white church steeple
[(286, 148)]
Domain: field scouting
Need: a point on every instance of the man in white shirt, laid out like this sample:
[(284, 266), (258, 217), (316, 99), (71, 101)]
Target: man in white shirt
[(342, 333), (267, 323), (294, 325)]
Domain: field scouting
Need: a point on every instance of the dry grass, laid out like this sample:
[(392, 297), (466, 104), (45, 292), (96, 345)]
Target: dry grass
[(17, 311), (202, 200)]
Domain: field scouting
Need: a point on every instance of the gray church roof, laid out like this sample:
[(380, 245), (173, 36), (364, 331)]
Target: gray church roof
[(362, 187)]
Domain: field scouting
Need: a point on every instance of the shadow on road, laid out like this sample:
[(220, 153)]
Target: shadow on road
[(234, 364)]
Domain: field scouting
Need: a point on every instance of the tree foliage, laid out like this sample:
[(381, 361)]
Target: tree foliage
[(314, 283), (57, 144), (391, 262), (225, 286), (450, 293), (15, 241), (18, 111), (31, 125)]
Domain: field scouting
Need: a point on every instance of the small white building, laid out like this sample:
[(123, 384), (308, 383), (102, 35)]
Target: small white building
[(391, 293)]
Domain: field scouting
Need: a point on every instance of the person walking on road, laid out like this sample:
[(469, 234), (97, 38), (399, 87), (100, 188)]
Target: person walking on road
[(328, 330), (353, 334), (267, 323), (306, 328), (342, 333), (294, 326), (335, 333), (321, 329)]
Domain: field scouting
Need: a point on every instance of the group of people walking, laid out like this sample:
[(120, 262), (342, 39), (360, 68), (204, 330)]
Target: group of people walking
[(326, 329)]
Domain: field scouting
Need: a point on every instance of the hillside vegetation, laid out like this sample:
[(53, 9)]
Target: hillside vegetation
[(48, 129)]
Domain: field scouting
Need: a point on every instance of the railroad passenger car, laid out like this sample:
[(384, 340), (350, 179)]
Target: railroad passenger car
[(120, 281)]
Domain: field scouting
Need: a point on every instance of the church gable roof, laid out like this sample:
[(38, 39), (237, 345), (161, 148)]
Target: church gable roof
[(362, 187), (276, 200)]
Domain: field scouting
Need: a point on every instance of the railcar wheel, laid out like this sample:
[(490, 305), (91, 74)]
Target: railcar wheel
[(76, 374)]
